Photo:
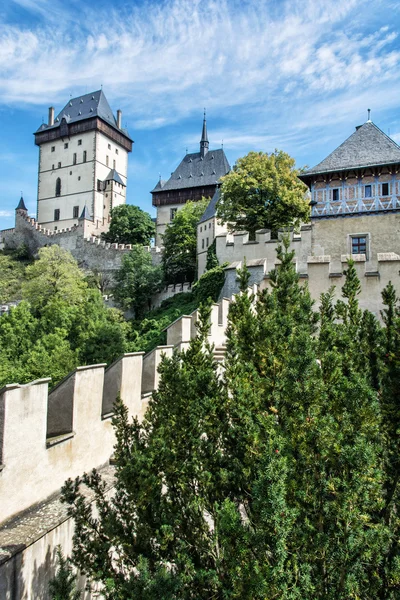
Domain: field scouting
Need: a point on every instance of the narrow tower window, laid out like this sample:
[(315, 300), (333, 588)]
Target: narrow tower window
[(74, 158), (84, 156), (58, 189), (57, 214), (76, 212), (385, 189)]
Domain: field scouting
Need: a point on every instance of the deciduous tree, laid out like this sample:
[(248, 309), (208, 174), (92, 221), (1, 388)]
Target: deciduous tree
[(180, 243), (130, 225), (263, 191)]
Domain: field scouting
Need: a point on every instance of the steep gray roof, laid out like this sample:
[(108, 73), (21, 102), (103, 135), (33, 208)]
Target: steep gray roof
[(114, 176), (21, 204), (209, 213), (94, 104), (367, 146), (85, 214), (196, 170)]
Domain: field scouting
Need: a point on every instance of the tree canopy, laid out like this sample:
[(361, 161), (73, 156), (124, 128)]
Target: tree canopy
[(278, 478), (130, 225), (137, 280), (180, 243), (59, 324), (262, 191)]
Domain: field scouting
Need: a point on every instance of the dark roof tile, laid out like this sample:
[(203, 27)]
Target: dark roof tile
[(195, 171), (367, 146), (209, 213)]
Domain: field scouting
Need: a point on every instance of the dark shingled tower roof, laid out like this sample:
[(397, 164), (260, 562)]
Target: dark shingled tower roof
[(209, 213), (199, 169), (94, 104), (368, 146), (114, 176), (21, 205), (196, 170)]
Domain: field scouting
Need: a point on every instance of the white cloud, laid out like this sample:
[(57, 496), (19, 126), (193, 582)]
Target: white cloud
[(164, 60), (6, 213)]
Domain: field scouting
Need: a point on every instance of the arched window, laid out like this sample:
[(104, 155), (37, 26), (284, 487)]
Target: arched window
[(58, 187)]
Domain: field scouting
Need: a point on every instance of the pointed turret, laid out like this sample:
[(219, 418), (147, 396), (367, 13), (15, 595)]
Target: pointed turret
[(21, 205), (204, 138), (85, 214)]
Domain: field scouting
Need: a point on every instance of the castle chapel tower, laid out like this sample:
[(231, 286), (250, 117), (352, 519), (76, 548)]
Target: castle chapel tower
[(196, 176), (83, 163)]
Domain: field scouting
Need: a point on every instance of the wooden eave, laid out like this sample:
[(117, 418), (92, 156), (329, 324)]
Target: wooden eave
[(344, 174), (93, 124)]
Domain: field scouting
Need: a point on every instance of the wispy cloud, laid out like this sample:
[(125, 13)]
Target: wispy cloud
[(164, 60), (6, 213)]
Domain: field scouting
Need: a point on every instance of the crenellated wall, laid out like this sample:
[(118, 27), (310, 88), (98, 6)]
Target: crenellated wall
[(81, 240), (49, 436)]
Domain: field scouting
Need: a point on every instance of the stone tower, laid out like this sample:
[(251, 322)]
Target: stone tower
[(83, 162), (196, 176)]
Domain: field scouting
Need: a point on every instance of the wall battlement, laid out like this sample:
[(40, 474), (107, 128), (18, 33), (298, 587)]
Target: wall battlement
[(48, 436)]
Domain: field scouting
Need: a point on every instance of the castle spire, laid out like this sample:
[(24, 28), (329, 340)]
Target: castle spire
[(21, 204), (204, 138)]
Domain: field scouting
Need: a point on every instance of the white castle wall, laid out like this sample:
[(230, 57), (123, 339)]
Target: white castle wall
[(47, 437)]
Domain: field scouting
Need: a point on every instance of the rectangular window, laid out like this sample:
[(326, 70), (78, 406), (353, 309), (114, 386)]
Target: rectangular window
[(113, 164), (74, 159), (52, 166), (368, 191), (109, 146), (99, 185), (59, 165), (84, 156), (201, 229), (359, 244), (202, 243), (53, 148), (75, 212), (107, 160), (79, 142), (65, 146), (172, 213), (385, 189), (209, 226), (116, 150), (57, 214), (207, 242), (335, 194)]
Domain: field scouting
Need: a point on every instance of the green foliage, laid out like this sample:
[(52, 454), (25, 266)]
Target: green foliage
[(263, 191), (130, 225), (137, 280), (55, 276), (180, 243), (11, 276), (63, 585), (212, 259), (60, 324), (210, 284), (149, 332), (276, 479)]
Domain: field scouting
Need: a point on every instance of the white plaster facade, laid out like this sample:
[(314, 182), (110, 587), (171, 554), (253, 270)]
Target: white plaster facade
[(83, 162)]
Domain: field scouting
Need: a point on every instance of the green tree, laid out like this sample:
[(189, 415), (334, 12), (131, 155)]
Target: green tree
[(130, 225), (11, 276), (55, 275), (180, 243), (275, 480), (137, 280), (263, 191), (63, 585), (212, 259)]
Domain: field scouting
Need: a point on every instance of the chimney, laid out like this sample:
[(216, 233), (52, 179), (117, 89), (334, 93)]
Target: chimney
[(51, 115), (119, 118)]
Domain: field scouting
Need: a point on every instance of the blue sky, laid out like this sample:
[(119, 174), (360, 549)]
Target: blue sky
[(297, 75)]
